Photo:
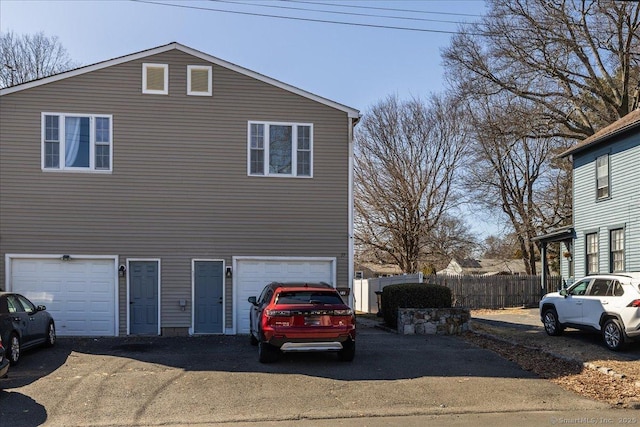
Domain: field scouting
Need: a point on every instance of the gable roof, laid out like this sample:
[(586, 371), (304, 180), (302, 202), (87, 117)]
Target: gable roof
[(485, 266), (469, 263), (351, 112), (626, 123), (373, 268)]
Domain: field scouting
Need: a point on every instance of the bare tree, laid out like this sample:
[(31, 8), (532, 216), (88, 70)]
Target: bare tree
[(512, 170), (29, 57), (408, 156), (501, 247), (452, 238), (578, 61)]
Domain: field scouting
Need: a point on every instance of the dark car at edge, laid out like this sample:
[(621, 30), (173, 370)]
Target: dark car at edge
[(4, 362), (23, 325)]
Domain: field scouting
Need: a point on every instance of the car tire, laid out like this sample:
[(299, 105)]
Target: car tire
[(551, 325), (13, 349), (348, 351), (613, 334), (267, 353), (51, 335)]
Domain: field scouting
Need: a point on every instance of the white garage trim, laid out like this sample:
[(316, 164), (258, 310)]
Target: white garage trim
[(9, 258), (236, 260)]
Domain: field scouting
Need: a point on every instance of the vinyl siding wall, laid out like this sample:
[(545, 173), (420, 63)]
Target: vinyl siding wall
[(621, 210), (179, 187), (564, 262)]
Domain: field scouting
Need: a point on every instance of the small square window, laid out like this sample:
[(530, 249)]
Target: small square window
[(155, 79), (199, 80)]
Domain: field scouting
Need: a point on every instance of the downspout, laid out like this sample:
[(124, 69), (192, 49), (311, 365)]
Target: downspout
[(351, 124)]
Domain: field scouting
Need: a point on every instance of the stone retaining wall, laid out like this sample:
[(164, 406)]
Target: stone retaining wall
[(431, 321)]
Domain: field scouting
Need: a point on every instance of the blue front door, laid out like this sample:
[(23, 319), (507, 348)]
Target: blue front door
[(143, 294), (208, 303)]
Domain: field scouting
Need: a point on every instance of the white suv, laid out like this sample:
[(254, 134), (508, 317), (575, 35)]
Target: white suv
[(605, 303)]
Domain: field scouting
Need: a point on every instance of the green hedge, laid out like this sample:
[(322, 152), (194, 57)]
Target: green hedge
[(412, 295)]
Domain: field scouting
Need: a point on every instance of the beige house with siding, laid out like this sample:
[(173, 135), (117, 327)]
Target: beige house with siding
[(152, 194)]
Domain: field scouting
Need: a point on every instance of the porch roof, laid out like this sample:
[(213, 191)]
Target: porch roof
[(557, 235)]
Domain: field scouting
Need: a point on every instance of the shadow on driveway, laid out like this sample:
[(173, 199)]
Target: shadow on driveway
[(16, 406), (202, 380), (379, 356)]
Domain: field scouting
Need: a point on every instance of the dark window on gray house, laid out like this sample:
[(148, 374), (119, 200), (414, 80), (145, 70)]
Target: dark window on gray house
[(592, 253), (616, 248)]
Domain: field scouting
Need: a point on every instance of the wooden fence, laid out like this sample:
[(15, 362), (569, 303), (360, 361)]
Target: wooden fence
[(500, 291)]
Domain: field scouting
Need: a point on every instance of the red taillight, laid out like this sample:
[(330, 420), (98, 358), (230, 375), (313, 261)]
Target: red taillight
[(277, 313), (634, 303), (346, 312), (276, 318)]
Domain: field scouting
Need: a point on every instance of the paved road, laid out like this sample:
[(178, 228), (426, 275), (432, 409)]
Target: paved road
[(524, 318), (413, 380)]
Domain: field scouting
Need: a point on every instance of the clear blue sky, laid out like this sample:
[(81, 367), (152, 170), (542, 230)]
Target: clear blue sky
[(354, 65)]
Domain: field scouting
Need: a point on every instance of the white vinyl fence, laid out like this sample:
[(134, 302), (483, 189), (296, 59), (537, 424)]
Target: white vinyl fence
[(364, 290)]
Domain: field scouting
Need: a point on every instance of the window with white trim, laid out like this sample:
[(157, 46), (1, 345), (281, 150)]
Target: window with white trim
[(602, 177), (155, 79), (592, 253), (616, 243), (77, 142), (199, 80), (280, 149)]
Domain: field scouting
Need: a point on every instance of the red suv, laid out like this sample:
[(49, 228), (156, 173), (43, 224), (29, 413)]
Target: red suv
[(290, 317)]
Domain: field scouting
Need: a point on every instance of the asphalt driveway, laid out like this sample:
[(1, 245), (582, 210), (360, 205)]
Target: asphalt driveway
[(217, 379)]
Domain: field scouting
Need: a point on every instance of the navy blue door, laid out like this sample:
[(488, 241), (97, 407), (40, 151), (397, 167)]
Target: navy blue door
[(209, 279), (143, 294)]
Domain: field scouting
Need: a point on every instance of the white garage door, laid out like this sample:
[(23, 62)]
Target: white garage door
[(253, 275), (79, 294)]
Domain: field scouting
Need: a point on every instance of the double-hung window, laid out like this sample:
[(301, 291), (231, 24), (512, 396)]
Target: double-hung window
[(616, 244), (77, 142), (602, 177), (280, 149), (592, 253)]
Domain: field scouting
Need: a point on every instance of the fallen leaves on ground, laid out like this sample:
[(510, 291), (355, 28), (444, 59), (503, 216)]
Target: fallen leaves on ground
[(621, 390)]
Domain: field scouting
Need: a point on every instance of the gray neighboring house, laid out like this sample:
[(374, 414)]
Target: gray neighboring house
[(371, 270), (151, 194), (605, 235), (484, 267)]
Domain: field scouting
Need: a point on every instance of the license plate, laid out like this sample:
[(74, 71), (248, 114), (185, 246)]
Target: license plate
[(312, 321)]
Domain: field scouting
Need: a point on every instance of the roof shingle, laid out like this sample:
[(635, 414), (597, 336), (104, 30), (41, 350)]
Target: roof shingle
[(624, 124)]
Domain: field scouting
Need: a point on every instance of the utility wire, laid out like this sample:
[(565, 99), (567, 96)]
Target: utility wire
[(263, 15), (338, 12), (380, 8)]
